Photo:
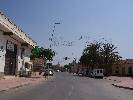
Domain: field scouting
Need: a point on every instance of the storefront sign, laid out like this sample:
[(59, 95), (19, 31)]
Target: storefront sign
[(10, 46)]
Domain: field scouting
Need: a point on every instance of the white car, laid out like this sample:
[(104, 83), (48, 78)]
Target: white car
[(58, 70), (50, 72), (97, 73)]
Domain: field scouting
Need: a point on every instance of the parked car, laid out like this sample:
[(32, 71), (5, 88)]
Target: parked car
[(82, 73), (97, 73), (24, 72), (51, 73), (57, 70)]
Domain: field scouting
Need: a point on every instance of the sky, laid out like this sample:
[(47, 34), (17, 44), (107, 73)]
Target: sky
[(80, 21)]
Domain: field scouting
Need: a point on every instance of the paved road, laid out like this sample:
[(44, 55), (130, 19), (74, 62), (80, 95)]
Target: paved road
[(68, 87)]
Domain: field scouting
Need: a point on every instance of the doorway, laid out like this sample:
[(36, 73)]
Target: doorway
[(10, 61)]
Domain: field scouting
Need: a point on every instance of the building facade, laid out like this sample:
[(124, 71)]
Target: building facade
[(124, 68), (15, 47)]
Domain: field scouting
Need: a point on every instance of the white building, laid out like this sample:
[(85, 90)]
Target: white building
[(15, 47)]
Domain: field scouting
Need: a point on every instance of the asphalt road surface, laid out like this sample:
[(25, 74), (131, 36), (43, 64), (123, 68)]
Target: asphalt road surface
[(69, 87)]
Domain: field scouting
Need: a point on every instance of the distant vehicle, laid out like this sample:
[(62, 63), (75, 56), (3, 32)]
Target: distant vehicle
[(58, 70), (49, 72), (24, 72), (82, 73), (97, 73)]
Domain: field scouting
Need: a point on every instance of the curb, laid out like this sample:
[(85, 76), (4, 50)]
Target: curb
[(122, 87), (21, 85), (2, 91), (15, 87)]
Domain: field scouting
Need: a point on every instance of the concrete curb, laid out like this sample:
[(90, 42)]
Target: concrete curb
[(15, 87), (122, 87), (26, 84)]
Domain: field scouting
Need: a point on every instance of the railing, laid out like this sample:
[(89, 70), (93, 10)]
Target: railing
[(4, 20)]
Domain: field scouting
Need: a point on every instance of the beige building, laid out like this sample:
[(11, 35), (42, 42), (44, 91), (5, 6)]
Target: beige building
[(124, 68), (15, 47)]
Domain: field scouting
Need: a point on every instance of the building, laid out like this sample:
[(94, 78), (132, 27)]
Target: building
[(38, 63), (15, 47), (124, 68)]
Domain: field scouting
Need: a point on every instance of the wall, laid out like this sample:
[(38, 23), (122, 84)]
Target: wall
[(122, 69), (19, 60), (3, 40), (19, 36), (27, 54), (2, 52)]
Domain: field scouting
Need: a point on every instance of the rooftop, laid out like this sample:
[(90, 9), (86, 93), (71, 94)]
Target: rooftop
[(5, 21)]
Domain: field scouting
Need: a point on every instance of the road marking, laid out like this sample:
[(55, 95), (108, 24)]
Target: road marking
[(74, 78), (70, 92), (72, 87), (65, 98), (54, 86)]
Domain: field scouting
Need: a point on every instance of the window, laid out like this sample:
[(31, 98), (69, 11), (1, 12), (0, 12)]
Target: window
[(22, 53), (101, 71)]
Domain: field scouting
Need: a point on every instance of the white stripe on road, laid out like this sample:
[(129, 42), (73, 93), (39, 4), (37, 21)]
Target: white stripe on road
[(65, 98), (70, 92), (54, 86)]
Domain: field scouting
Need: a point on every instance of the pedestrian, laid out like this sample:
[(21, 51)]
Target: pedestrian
[(41, 70), (45, 74)]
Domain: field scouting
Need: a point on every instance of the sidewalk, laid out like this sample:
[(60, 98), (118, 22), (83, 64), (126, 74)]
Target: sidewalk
[(121, 82), (11, 82)]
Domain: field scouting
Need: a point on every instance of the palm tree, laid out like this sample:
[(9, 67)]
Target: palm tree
[(109, 56), (100, 55), (91, 55)]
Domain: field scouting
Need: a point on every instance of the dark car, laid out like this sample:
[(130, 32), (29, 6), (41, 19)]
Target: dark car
[(81, 73)]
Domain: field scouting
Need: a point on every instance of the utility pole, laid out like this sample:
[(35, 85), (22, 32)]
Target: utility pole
[(51, 40), (74, 64)]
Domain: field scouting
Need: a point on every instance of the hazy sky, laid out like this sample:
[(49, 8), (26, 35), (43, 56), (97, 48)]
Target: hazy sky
[(91, 19)]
